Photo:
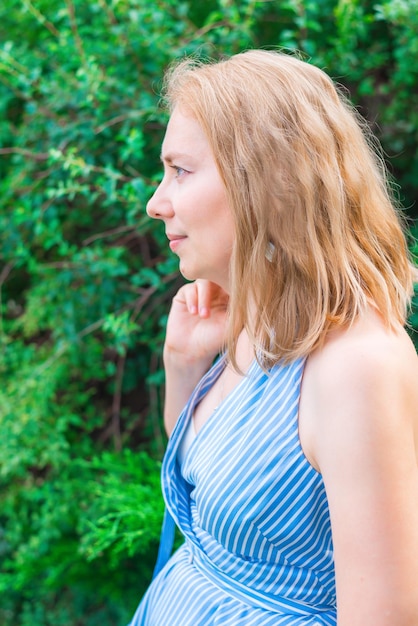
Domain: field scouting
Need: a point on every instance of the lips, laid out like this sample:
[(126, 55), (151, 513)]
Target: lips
[(171, 237), (175, 241)]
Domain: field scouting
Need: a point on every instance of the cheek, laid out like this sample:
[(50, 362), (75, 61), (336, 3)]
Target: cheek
[(227, 222)]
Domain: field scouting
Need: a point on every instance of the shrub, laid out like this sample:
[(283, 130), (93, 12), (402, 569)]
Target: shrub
[(85, 279)]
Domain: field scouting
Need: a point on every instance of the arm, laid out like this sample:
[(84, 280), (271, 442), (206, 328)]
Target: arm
[(195, 335), (366, 404)]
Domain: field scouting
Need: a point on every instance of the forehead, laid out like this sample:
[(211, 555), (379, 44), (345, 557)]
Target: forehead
[(184, 136)]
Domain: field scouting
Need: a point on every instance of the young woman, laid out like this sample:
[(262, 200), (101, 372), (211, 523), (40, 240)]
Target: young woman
[(292, 467)]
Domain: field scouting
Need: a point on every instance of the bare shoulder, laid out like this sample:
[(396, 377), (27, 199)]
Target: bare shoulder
[(367, 349), (361, 379), (366, 354)]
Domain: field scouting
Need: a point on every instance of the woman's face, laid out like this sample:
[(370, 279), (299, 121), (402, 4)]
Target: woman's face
[(191, 201)]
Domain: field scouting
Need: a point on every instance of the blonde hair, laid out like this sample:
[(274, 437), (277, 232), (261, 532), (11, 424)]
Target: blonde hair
[(317, 236)]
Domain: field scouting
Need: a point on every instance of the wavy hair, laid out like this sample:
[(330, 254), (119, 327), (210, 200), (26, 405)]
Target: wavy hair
[(318, 235)]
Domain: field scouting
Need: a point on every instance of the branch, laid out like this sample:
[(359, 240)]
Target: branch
[(115, 120), (41, 18), (116, 404), (155, 407), (107, 233), (76, 34), (3, 277), (5, 272), (37, 156), (16, 65)]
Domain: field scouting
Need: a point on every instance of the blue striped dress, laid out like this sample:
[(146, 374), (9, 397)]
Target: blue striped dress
[(253, 511)]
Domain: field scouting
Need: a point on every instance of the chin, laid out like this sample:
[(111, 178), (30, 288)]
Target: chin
[(187, 273), (191, 274)]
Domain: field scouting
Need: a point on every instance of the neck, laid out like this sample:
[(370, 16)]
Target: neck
[(244, 351)]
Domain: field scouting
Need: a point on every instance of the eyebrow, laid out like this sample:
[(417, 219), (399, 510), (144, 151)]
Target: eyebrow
[(171, 157)]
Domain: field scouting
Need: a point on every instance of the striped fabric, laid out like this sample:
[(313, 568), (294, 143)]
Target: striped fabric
[(254, 513)]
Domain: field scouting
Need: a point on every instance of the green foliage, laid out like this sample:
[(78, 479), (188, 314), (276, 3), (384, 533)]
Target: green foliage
[(108, 510), (379, 63), (85, 276)]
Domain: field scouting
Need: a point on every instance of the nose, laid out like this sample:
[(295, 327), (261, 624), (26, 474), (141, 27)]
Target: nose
[(159, 205)]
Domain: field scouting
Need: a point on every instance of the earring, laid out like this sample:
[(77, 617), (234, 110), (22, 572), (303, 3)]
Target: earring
[(270, 250)]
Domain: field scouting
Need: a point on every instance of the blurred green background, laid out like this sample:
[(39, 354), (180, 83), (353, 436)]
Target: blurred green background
[(86, 278)]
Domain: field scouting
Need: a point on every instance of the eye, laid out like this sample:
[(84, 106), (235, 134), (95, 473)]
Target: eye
[(179, 171)]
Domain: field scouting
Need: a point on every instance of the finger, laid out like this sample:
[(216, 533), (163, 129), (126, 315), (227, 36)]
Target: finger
[(190, 295), (201, 297), (222, 298), (206, 294), (214, 297)]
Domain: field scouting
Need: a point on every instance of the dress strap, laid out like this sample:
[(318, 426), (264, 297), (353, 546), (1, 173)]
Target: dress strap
[(166, 542)]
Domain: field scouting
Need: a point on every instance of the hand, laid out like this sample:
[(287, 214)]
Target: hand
[(196, 324)]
